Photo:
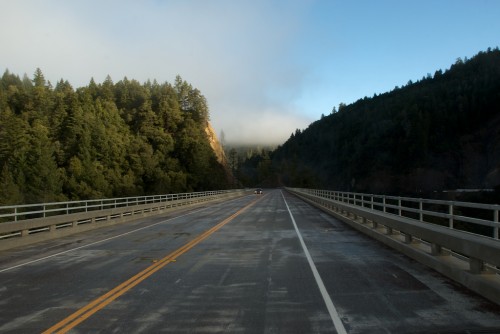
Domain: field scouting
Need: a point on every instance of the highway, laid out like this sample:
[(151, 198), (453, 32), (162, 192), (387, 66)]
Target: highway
[(267, 263)]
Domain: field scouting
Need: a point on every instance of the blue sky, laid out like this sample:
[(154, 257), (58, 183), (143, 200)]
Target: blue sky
[(266, 67)]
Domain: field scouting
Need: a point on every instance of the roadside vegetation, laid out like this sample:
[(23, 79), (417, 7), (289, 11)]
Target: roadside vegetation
[(102, 140), (111, 139)]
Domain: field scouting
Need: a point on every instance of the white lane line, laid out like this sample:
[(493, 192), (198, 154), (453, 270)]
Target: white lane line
[(339, 326), (94, 243), (104, 240)]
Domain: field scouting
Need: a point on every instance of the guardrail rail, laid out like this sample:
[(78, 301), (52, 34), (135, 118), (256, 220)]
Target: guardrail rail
[(25, 224), (458, 239)]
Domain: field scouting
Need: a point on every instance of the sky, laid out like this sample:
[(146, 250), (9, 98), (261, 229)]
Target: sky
[(266, 67)]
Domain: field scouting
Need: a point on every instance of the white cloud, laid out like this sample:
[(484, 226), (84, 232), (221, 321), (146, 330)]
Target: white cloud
[(53, 42), (265, 126)]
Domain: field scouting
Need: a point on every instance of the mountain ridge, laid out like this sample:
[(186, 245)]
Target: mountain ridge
[(439, 133)]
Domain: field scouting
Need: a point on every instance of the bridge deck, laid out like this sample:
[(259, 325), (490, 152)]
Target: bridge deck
[(249, 274)]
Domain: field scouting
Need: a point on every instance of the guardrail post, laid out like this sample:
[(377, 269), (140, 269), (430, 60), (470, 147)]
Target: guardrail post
[(383, 204), (476, 265), (436, 249), (399, 207), (495, 229), (450, 211), (421, 209), (15, 214)]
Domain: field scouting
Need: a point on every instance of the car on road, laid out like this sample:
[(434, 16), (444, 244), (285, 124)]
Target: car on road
[(258, 191)]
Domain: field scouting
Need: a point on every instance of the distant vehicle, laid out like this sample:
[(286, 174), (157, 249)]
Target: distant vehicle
[(258, 191)]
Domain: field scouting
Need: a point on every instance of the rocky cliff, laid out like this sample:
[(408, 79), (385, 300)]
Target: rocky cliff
[(218, 149)]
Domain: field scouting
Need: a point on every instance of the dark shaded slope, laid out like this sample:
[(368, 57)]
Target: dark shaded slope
[(439, 133)]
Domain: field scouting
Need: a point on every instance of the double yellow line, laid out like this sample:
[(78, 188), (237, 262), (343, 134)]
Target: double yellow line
[(85, 312)]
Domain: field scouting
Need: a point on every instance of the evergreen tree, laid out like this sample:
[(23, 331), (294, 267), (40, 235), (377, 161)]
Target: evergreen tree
[(438, 133), (102, 140), (11, 194), (43, 177)]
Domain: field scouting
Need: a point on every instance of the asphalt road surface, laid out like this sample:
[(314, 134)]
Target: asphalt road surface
[(267, 263)]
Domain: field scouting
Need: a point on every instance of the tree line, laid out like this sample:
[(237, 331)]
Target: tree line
[(102, 140), (435, 134), (251, 165)]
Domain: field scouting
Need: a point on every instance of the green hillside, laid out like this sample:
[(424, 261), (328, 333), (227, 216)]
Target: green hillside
[(442, 132), (102, 140)]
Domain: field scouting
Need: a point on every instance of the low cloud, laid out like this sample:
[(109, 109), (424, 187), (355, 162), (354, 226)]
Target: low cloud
[(266, 127)]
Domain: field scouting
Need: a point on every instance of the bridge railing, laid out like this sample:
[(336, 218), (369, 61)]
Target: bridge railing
[(477, 218), (458, 239), (29, 211), (26, 224)]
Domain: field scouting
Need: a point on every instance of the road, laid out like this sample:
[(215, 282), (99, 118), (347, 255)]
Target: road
[(266, 263)]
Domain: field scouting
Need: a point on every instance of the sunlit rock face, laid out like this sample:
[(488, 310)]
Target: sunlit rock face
[(218, 149)]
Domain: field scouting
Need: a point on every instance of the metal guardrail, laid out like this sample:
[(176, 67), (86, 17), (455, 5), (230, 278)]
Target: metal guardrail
[(29, 211), (24, 224), (477, 218), (457, 239)]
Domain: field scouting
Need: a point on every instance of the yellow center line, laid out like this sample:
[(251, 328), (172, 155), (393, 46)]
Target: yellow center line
[(85, 312)]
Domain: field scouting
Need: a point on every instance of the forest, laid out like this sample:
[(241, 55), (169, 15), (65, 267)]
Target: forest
[(103, 140), (129, 139), (251, 165), (440, 133)]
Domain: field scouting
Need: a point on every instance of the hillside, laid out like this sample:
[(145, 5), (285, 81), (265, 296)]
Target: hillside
[(442, 132), (104, 140), (219, 152)]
